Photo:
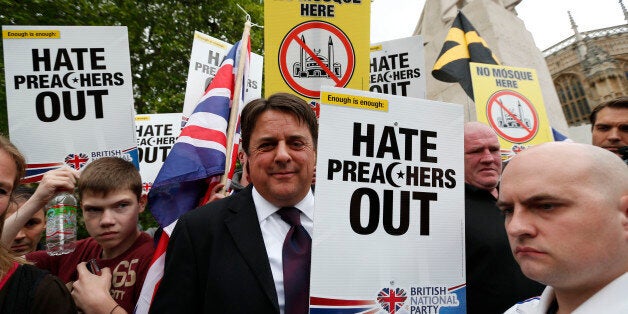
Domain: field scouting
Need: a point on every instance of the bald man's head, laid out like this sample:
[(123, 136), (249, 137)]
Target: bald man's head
[(573, 161), (566, 215)]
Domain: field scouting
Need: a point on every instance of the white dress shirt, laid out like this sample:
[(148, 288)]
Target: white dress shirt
[(274, 231), (609, 300)]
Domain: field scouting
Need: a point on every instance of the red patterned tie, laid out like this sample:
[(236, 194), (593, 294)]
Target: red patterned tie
[(297, 251)]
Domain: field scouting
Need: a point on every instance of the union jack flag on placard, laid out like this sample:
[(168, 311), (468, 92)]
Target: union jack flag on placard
[(76, 161), (196, 160), (391, 299)]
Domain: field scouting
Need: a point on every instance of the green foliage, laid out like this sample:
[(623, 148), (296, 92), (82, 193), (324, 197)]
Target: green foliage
[(160, 38), (81, 230), (147, 220)]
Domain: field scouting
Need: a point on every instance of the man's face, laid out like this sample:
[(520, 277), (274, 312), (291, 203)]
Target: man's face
[(28, 237), (281, 158), (112, 219), (611, 129), (482, 160), (562, 228)]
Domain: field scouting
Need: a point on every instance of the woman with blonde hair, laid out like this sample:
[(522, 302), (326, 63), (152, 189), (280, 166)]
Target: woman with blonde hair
[(24, 288)]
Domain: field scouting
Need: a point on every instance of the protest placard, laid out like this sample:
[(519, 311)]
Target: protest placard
[(509, 99), (398, 67), (311, 44), (389, 220), (156, 134), (207, 55), (69, 95)]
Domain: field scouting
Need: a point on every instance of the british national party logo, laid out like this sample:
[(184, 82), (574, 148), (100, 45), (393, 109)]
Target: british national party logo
[(421, 300), (76, 161), (407, 300), (391, 299)]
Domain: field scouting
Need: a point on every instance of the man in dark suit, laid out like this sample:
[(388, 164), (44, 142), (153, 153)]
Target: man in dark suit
[(226, 256), (494, 280)]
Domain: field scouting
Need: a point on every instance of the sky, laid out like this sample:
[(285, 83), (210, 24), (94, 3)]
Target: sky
[(547, 20)]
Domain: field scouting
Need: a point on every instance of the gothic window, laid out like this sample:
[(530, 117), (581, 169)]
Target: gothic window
[(561, 95), (583, 107), (575, 91), (573, 99), (567, 113), (581, 90)]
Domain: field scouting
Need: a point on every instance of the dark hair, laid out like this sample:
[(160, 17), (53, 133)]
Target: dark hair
[(108, 174), (283, 102), (618, 103)]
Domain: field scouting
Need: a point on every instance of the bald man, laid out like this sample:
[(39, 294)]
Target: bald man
[(494, 280), (567, 224)]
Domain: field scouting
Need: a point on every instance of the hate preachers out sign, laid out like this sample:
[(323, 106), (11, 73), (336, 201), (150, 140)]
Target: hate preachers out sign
[(69, 95), (389, 220)]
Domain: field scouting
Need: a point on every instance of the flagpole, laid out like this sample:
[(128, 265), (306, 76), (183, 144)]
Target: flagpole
[(235, 105)]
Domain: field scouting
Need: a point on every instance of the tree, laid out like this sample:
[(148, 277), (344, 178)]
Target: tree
[(160, 38)]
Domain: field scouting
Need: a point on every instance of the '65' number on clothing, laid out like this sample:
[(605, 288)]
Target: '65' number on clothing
[(124, 274)]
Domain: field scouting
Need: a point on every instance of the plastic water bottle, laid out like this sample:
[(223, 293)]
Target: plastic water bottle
[(61, 224)]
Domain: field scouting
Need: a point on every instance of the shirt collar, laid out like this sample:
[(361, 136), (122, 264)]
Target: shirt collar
[(264, 208)]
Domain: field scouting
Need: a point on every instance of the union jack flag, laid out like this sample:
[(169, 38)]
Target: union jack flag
[(146, 186), (391, 299), (76, 161), (196, 161)]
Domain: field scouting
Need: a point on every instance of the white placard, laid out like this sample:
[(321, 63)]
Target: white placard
[(69, 94), (207, 54), (389, 219), (156, 134), (398, 67)]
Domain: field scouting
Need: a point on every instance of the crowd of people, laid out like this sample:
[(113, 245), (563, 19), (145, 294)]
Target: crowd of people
[(548, 233)]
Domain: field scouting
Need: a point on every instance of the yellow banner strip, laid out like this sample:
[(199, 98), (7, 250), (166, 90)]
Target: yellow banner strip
[(354, 101), (31, 34)]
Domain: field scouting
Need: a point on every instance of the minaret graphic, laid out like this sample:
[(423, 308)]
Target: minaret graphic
[(330, 54), (302, 59), (503, 117), (520, 107), (307, 66)]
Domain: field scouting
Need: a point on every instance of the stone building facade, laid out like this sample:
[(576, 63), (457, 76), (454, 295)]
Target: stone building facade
[(588, 68), (508, 39)]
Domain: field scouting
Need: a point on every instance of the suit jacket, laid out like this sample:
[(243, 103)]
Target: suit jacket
[(216, 262), (494, 279)]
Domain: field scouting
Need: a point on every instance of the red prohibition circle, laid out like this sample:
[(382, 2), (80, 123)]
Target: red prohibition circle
[(293, 35), (489, 112)]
